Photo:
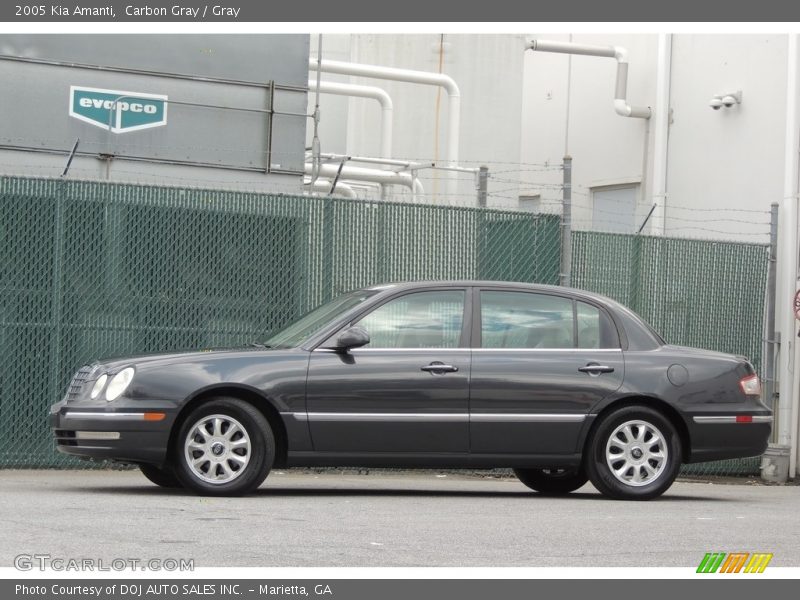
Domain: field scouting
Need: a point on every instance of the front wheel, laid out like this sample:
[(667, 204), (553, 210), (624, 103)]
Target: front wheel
[(634, 453), (552, 482), (225, 447)]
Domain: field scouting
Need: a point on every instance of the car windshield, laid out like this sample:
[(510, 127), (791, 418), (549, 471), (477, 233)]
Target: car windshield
[(295, 333)]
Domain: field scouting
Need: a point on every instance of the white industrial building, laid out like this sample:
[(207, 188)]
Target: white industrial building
[(719, 147)]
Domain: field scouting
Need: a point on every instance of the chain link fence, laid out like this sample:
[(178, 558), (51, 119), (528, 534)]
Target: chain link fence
[(701, 293), (93, 269)]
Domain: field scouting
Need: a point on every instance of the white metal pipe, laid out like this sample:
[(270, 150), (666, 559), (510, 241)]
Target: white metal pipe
[(330, 170), (661, 134), (315, 144), (366, 91), (324, 186), (370, 160), (618, 53), (417, 190), (407, 75), (787, 261)]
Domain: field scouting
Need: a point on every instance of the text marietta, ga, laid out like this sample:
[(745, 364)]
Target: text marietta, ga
[(170, 590), (189, 12)]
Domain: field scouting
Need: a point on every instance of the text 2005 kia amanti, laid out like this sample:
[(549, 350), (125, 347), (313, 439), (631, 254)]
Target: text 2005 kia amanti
[(561, 385)]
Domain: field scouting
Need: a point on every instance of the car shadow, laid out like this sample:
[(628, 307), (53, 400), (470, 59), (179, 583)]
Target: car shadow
[(308, 492)]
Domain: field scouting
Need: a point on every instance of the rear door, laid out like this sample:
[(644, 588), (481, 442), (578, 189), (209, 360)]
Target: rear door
[(540, 361)]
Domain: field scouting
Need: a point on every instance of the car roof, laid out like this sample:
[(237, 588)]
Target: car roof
[(408, 285)]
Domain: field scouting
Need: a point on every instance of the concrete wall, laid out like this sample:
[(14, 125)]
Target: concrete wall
[(488, 71), (571, 110), (729, 158), (523, 110)]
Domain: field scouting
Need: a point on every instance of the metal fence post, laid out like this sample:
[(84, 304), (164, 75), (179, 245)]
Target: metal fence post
[(565, 276), (483, 185), (769, 333), (57, 292)]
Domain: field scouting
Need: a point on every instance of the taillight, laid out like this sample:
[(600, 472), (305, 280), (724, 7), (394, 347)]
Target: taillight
[(751, 385)]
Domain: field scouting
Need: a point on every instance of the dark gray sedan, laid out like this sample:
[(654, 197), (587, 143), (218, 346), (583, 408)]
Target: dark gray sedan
[(561, 385)]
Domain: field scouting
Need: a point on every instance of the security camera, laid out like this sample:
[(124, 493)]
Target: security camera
[(732, 98), (716, 103)]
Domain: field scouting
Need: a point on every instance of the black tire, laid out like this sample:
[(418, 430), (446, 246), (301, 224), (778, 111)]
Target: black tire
[(600, 462), (552, 482), (236, 463), (161, 477)]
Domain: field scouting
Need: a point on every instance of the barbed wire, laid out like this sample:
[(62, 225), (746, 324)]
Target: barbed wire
[(506, 186)]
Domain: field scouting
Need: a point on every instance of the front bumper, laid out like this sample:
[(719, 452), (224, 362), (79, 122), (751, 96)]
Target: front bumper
[(124, 432)]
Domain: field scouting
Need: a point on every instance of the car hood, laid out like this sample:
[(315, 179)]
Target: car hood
[(167, 358)]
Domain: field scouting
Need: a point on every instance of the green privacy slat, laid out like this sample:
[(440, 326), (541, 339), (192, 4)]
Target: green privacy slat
[(708, 294), (91, 269)]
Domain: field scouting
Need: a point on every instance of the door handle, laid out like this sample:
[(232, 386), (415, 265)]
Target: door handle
[(438, 368), (596, 369)]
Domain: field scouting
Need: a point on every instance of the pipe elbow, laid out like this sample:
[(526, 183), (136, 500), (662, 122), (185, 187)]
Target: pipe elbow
[(621, 54), (622, 108), (450, 86), (384, 99)]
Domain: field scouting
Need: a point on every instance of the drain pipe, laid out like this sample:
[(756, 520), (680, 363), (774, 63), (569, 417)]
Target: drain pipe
[(366, 91), (787, 413), (661, 135), (315, 143), (408, 76), (619, 53), (330, 170), (323, 186)]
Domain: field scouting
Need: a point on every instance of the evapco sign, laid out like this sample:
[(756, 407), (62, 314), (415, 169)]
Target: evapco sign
[(117, 111)]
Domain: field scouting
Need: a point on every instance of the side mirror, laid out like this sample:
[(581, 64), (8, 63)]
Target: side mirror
[(352, 337)]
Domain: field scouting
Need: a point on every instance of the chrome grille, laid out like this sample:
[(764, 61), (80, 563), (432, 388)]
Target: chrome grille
[(77, 382)]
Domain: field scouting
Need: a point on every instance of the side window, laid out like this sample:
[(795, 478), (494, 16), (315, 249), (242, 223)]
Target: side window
[(526, 320), (418, 320), (595, 328)]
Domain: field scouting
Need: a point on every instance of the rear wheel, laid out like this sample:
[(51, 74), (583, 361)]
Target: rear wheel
[(164, 477), (554, 482), (634, 453), (225, 447)]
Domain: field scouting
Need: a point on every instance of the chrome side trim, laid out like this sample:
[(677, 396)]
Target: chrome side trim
[(321, 417), (401, 417), (371, 350), (527, 418), (119, 416), (490, 350), (716, 419), (575, 350), (97, 435)]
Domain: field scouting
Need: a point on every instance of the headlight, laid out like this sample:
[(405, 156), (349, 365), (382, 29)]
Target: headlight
[(98, 386), (119, 383)]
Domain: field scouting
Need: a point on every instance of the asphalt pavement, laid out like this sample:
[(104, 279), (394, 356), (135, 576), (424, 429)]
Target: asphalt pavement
[(389, 519)]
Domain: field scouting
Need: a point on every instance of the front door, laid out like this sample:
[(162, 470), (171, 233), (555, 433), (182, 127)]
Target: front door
[(541, 361), (407, 391)]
